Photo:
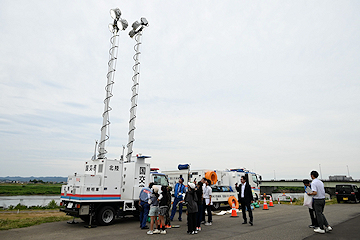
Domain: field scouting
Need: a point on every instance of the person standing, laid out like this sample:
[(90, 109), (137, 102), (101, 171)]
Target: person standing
[(167, 215), (178, 198), (245, 199), (208, 202), (192, 209), (203, 181), (163, 201), (318, 193), (314, 223), (144, 197), (154, 210), (199, 194)]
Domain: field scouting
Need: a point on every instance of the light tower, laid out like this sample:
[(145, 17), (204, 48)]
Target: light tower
[(119, 24), (136, 33)]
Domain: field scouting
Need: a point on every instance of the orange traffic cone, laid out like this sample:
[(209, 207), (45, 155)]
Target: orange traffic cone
[(278, 200), (233, 210), (271, 204), (265, 207), (290, 200)]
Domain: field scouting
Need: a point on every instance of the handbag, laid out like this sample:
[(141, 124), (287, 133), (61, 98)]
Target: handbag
[(308, 200)]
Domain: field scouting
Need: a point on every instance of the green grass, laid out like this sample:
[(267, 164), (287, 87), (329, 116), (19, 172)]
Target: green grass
[(6, 224), (51, 205), (29, 189)]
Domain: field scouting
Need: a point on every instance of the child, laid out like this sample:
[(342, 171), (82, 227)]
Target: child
[(163, 201), (154, 210)]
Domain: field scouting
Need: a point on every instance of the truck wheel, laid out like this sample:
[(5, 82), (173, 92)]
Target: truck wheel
[(106, 215)]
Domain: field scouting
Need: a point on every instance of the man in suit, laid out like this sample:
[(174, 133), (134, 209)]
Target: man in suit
[(245, 199)]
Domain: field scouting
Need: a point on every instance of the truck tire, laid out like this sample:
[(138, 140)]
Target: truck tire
[(106, 215)]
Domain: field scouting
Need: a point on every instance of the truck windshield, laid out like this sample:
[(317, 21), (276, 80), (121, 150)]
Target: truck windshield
[(255, 180), (161, 180)]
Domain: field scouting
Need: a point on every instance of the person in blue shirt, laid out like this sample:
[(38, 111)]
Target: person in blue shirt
[(144, 197), (179, 190)]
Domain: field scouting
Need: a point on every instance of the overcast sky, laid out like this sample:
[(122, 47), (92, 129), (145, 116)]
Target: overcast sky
[(272, 86)]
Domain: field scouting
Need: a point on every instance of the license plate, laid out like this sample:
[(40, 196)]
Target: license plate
[(70, 205), (345, 198)]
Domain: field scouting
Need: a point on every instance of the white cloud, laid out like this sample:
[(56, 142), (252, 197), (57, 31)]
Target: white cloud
[(267, 86)]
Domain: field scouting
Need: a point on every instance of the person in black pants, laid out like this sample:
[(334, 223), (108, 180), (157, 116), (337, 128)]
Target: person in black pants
[(245, 199), (192, 208), (314, 223)]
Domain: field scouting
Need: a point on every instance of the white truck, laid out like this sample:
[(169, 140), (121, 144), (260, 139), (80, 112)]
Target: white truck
[(223, 181), (109, 188)]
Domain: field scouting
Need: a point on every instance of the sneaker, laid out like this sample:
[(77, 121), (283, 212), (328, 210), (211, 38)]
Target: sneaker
[(195, 232), (319, 230), (163, 232), (150, 232), (199, 229), (156, 231), (167, 226), (328, 228), (311, 226), (203, 222)]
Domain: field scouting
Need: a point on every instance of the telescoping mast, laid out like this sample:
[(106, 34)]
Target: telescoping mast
[(110, 188)]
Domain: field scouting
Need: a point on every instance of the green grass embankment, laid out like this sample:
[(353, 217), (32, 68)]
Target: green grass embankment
[(29, 189)]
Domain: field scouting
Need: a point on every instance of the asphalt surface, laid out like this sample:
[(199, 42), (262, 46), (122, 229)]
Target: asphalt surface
[(279, 222)]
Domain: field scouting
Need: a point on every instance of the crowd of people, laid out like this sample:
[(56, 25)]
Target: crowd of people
[(196, 197)]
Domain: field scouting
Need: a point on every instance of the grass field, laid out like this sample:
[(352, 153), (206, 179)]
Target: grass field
[(12, 219), (29, 189)]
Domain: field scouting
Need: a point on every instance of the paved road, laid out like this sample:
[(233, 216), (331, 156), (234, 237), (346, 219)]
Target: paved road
[(280, 222)]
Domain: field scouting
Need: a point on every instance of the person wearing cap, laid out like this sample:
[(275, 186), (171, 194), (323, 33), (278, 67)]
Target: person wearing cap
[(179, 190), (154, 210), (192, 208), (144, 206)]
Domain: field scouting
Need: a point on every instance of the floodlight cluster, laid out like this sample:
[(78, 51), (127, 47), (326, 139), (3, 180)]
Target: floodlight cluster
[(119, 23), (138, 26)]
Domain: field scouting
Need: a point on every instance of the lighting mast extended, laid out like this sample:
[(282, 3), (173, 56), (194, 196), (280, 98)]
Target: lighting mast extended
[(119, 24), (136, 32)]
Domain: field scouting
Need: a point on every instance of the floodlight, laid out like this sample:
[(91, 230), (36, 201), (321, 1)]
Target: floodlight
[(115, 13), (144, 21), (111, 27), (122, 24), (132, 33), (136, 25)]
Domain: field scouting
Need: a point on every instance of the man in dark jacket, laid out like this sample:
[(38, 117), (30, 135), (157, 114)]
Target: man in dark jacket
[(245, 199)]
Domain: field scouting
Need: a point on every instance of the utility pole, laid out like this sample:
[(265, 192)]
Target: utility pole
[(320, 171)]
